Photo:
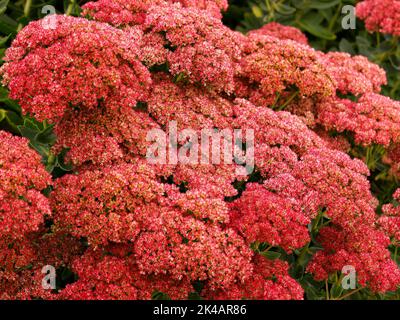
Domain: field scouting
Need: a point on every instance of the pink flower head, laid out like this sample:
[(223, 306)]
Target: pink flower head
[(201, 48), (102, 136), (356, 75), (104, 276), (389, 222), (364, 249), (372, 119), (270, 281), (108, 204), (184, 247)]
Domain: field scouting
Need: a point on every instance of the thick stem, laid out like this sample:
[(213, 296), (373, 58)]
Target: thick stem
[(27, 8), (70, 7), (27, 12)]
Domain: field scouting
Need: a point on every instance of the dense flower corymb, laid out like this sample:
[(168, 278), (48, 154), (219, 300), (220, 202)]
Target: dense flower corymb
[(122, 13), (356, 75), (106, 275), (390, 221), (125, 204), (372, 119), (103, 135), (200, 47), (365, 249), (270, 281), (259, 215), (273, 67)]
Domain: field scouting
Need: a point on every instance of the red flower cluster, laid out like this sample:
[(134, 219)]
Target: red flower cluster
[(270, 281), (355, 75), (122, 13), (273, 67), (23, 177), (24, 245), (372, 119)]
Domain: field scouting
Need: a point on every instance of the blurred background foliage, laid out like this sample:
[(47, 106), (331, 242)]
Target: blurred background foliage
[(321, 22)]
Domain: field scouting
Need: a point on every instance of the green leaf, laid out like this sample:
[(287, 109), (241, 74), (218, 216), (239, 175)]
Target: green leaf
[(327, 14), (2, 115), (271, 255), (9, 121), (2, 53), (316, 29), (3, 6), (314, 249), (46, 136), (257, 11), (43, 150), (285, 9), (30, 124), (7, 102), (60, 162), (3, 40), (27, 132)]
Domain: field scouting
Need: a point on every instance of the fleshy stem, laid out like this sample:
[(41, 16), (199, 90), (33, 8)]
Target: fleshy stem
[(27, 11), (71, 6), (291, 98), (349, 294)]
